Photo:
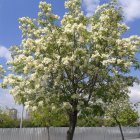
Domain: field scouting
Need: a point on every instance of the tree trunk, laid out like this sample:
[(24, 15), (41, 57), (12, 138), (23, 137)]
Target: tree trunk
[(21, 120), (48, 132), (72, 125), (120, 129)]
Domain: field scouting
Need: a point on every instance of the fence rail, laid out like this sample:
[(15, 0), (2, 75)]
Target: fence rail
[(59, 133)]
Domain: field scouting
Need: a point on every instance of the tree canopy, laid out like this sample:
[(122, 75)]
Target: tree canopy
[(123, 111)]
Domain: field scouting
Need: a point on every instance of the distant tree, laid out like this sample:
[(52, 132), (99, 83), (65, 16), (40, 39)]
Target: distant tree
[(129, 116), (6, 121), (69, 65), (122, 112)]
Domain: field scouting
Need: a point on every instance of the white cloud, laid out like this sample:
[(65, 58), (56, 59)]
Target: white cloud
[(135, 93), (131, 9), (5, 53), (90, 6), (5, 98)]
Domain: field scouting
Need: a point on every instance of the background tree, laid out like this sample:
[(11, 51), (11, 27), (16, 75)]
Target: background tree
[(122, 112), (6, 121), (129, 116), (69, 66)]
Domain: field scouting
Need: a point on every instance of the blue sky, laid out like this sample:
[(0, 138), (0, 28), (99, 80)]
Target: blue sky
[(11, 10)]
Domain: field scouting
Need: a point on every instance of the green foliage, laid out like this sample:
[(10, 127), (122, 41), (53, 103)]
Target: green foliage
[(47, 117), (27, 123), (7, 122), (90, 121), (128, 117)]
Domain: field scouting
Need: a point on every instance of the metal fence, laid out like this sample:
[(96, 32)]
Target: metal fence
[(59, 133)]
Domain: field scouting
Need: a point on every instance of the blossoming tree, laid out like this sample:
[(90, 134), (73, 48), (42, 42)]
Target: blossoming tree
[(73, 64)]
